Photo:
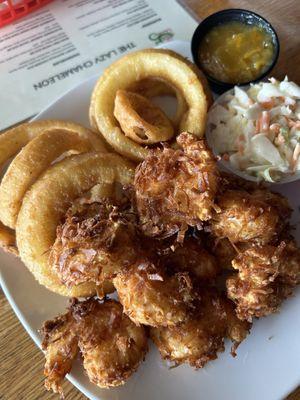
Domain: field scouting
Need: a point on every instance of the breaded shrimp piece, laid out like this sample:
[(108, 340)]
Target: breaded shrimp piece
[(192, 257), (151, 296), (236, 330), (247, 217), (257, 190), (290, 264), (112, 346), (275, 200), (60, 344), (223, 251), (266, 276), (176, 188), (94, 242), (198, 339)]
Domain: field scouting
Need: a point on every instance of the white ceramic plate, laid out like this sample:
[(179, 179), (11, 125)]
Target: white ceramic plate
[(268, 361)]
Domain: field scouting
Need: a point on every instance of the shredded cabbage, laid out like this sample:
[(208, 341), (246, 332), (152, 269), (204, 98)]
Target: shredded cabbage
[(258, 129)]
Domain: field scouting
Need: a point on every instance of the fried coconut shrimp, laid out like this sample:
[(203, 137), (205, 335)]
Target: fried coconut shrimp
[(199, 339), (266, 276), (112, 346), (258, 217), (176, 188), (223, 250), (192, 257), (151, 296), (94, 242), (61, 347)]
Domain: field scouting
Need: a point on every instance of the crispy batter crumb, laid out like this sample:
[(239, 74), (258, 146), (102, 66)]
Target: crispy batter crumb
[(176, 188), (200, 338), (266, 276), (112, 346)]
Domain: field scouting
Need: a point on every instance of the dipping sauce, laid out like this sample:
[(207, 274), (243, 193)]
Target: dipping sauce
[(234, 52)]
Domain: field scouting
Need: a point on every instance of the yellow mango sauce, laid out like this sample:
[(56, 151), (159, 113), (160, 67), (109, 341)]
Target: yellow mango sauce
[(235, 52)]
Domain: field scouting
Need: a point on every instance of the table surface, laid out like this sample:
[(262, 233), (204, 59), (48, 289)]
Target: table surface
[(21, 362)]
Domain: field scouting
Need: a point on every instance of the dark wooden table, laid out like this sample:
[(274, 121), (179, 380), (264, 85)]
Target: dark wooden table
[(21, 362)]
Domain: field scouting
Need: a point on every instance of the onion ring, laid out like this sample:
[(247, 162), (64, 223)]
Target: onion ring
[(32, 160), (151, 87), (140, 119), (12, 141), (164, 64), (47, 201), (154, 87)]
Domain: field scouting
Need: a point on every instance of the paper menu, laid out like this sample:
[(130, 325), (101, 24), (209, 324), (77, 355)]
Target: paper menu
[(55, 48)]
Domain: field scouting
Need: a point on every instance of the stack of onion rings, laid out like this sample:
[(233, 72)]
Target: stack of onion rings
[(37, 145), (143, 66), (37, 189)]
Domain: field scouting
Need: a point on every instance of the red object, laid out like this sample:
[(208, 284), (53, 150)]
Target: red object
[(11, 10)]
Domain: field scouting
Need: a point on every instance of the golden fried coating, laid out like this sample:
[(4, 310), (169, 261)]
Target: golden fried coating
[(95, 241), (266, 276), (192, 257), (199, 339), (140, 119), (176, 188), (112, 346), (151, 296), (275, 200), (236, 330), (223, 251), (258, 217), (60, 344)]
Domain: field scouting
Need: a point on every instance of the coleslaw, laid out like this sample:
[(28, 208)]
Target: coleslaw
[(257, 130)]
